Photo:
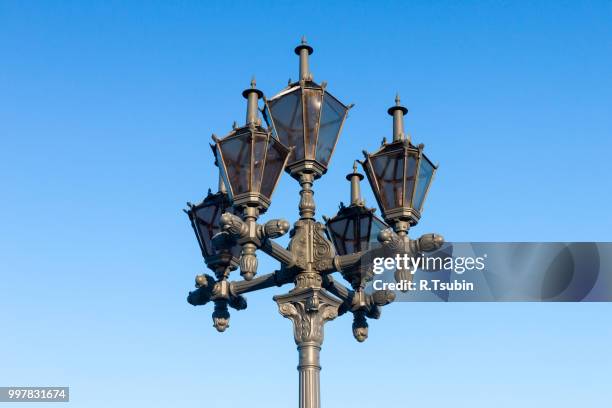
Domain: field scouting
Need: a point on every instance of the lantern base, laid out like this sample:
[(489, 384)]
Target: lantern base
[(296, 169), (402, 214), (222, 263), (252, 200)]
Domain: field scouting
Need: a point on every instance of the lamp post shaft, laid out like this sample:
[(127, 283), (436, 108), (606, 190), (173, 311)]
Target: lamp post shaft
[(307, 204), (309, 368)]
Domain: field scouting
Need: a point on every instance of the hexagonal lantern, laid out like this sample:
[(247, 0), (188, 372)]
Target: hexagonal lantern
[(400, 174), (251, 159), (204, 219), (354, 228), (307, 118)]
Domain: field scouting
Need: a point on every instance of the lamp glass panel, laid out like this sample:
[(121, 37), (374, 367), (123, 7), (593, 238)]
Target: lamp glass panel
[(236, 153), (207, 223), (389, 173), (377, 226), (337, 229), (411, 168), (260, 143), (351, 238), (332, 116), (364, 231), (312, 101), (425, 173), (275, 161), (286, 112)]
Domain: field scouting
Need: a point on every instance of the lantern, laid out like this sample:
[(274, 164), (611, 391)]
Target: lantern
[(250, 159), (399, 173), (307, 118)]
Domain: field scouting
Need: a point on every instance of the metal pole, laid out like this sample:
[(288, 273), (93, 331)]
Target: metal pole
[(309, 368)]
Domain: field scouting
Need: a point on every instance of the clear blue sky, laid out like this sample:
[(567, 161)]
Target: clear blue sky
[(106, 111)]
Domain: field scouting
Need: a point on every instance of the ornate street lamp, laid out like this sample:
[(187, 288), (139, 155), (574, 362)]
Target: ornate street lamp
[(355, 229), (304, 123), (219, 249), (251, 163)]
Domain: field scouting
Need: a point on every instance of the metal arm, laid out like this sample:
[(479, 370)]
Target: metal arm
[(391, 243), (277, 252), (259, 236), (208, 289), (276, 278)]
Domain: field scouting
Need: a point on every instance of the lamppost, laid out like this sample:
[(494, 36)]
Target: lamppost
[(304, 122)]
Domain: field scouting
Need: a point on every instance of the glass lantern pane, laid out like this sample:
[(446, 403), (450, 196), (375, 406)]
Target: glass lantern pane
[(351, 240), (286, 112), (332, 116), (389, 172), (364, 231), (274, 166), (411, 168), (260, 143), (425, 173), (312, 100), (337, 230), (207, 221), (236, 153), (377, 226)]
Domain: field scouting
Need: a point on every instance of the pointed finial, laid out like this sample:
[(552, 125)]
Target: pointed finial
[(253, 82), (355, 166), (397, 99), (303, 39)]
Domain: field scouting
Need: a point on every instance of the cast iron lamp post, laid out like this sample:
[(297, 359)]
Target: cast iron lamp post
[(304, 122)]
